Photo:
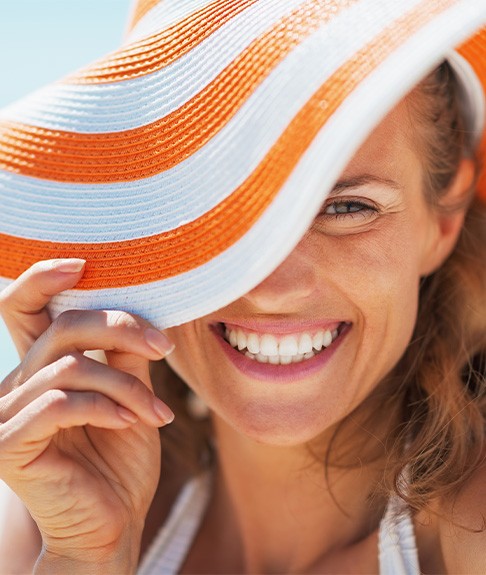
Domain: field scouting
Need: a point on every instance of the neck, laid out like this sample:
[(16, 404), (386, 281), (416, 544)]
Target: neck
[(287, 509)]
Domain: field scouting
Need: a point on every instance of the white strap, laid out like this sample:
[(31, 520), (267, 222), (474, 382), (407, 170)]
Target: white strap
[(397, 547), (171, 545)]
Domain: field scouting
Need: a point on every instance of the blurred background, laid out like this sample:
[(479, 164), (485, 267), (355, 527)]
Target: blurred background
[(42, 41)]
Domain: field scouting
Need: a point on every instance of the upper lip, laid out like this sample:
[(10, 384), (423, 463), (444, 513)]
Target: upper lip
[(284, 327)]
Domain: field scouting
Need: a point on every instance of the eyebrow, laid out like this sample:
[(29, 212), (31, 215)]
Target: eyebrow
[(363, 180)]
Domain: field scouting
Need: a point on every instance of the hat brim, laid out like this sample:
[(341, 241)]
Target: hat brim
[(185, 183)]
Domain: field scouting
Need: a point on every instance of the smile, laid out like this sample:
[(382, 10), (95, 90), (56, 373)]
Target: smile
[(280, 350), (280, 357)]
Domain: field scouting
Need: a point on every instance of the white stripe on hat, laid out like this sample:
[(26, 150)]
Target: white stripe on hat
[(143, 208)]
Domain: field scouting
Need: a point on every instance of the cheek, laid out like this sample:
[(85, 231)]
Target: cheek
[(381, 270), (183, 360), (378, 272), (193, 359), (375, 266)]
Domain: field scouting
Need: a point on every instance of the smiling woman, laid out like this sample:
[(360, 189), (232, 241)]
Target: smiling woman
[(274, 225)]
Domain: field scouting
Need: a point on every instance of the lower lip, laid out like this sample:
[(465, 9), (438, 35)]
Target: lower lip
[(279, 373)]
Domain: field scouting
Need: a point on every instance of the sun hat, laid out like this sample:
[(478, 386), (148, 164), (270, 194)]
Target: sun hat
[(186, 165)]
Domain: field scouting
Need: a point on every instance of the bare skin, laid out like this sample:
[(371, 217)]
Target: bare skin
[(271, 509), (79, 439)]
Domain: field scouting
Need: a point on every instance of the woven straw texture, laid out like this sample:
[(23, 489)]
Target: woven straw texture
[(186, 165)]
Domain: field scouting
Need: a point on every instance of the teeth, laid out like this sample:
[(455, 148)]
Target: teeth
[(288, 346), (241, 339), (252, 343), (279, 359), (327, 340), (268, 345), (232, 337), (305, 343), (317, 340), (267, 348)]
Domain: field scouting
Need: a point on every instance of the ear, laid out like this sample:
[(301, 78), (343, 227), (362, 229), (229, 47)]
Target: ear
[(449, 219)]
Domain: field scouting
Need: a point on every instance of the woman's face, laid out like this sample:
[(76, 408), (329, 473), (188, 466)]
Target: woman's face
[(356, 271)]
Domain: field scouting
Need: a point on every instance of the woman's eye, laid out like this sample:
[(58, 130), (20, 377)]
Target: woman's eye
[(346, 215), (347, 207)]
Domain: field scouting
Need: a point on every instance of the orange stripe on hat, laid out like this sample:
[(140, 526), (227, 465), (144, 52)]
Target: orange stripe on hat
[(470, 50), (190, 246), (142, 8), (143, 152), (159, 50)]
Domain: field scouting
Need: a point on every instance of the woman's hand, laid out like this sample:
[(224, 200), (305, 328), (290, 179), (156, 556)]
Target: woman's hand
[(78, 439)]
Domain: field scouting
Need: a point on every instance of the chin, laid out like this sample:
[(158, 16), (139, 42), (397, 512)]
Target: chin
[(277, 424)]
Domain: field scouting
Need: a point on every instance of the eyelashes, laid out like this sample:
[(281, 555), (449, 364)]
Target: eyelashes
[(341, 216), (348, 208)]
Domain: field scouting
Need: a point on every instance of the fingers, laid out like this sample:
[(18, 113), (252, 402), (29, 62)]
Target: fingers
[(23, 303), (26, 435), (130, 363), (107, 330), (75, 372), (56, 379)]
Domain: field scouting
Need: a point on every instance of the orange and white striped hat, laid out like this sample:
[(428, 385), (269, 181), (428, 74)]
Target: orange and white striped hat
[(185, 166)]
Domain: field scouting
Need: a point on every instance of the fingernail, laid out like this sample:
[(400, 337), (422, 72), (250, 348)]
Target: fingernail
[(163, 411), (158, 341), (68, 266)]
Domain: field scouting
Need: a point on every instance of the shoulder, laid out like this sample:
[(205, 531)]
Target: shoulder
[(462, 527)]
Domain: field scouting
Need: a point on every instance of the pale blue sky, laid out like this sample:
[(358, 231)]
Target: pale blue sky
[(41, 41)]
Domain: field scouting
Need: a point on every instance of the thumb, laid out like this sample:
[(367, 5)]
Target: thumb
[(23, 303), (132, 364)]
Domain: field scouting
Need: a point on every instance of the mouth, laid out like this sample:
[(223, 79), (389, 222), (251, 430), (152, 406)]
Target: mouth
[(280, 356)]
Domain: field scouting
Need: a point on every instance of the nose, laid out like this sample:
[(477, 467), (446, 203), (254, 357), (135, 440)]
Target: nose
[(293, 282)]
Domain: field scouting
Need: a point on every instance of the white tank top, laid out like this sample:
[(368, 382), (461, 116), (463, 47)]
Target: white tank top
[(165, 556)]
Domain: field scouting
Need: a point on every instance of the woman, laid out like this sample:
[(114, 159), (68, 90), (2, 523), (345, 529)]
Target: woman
[(345, 385)]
